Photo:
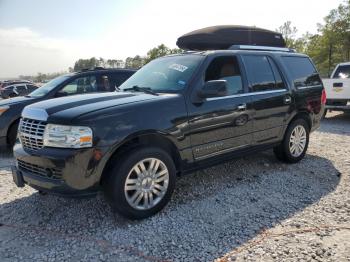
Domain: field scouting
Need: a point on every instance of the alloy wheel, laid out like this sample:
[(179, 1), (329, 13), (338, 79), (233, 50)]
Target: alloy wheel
[(297, 141), (146, 184)]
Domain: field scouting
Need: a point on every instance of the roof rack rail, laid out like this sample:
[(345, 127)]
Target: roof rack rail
[(99, 68), (261, 48), (92, 69)]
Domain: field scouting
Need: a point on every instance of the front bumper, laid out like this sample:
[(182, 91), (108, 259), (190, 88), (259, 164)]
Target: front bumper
[(69, 172)]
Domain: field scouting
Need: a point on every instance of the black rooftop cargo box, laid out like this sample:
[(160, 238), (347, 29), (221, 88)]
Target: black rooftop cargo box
[(224, 36)]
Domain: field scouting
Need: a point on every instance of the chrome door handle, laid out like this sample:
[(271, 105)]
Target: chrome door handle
[(242, 107), (287, 100)]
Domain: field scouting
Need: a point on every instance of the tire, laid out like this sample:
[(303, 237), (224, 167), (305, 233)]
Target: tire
[(288, 153), (12, 134), (12, 95), (132, 203)]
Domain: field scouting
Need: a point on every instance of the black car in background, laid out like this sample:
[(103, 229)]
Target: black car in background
[(177, 114), (84, 82), (14, 90)]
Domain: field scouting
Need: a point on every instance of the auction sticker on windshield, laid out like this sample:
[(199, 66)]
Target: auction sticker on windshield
[(178, 67)]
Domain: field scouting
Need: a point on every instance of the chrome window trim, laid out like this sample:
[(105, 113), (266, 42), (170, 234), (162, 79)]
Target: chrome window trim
[(248, 94), (306, 87)]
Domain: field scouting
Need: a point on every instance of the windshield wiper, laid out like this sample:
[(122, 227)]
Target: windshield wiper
[(146, 90)]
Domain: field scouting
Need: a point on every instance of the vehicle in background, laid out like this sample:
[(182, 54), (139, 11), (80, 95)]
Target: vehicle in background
[(5, 83), (177, 114), (338, 88), (84, 82), (17, 90)]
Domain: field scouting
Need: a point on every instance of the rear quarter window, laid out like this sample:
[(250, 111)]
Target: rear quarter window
[(302, 71)]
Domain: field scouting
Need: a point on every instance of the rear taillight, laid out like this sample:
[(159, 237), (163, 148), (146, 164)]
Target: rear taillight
[(323, 97)]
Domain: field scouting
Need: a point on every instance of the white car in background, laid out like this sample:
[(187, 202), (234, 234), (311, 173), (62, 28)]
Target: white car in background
[(338, 88)]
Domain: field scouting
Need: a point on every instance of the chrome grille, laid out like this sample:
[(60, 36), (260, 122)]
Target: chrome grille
[(31, 133), (53, 173)]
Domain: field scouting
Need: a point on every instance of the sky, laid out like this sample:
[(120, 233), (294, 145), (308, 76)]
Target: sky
[(49, 36)]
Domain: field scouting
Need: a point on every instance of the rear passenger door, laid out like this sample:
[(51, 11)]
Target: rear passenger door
[(270, 97)]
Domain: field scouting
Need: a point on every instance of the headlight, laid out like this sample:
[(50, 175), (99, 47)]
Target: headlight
[(67, 136), (3, 109)]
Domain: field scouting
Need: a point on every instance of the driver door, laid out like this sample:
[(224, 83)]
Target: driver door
[(222, 124)]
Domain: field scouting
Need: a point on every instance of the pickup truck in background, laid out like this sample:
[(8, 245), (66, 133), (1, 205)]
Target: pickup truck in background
[(338, 88)]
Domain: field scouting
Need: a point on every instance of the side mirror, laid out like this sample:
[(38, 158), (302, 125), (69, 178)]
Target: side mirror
[(213, 88)]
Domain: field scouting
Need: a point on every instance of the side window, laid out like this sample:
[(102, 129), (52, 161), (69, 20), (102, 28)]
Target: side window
[(81, 85), (226, 68), (20, 88), (104, 84), (31, 87), (259, 72), (302, 71), (119, 78)]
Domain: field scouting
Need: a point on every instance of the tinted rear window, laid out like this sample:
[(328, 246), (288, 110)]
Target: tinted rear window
[(302, 71)]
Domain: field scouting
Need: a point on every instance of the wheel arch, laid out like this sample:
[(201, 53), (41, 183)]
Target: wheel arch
[(13, 123), (302, 115), (149, 138)]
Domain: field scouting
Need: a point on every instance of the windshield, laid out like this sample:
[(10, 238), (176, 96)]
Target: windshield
[(342, 72), (43, 90), (166, 74)]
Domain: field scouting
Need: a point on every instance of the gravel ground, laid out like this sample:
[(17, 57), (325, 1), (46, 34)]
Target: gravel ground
[(250, 209)]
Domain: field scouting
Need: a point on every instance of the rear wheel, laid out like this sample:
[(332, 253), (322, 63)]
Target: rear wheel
[(12, 95), (295, 143), (141, 182)]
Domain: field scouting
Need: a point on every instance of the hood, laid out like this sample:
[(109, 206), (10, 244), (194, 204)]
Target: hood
[(68, 108), (16, 100)]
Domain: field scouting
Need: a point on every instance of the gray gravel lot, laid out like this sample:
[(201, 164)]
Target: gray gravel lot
[(250, 209)]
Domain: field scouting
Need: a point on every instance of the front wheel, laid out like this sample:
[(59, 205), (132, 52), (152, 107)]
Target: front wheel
[(295, 143), (141, 183)]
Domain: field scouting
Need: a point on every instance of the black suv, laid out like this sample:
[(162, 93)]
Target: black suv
[(175, 115), (88, 81)]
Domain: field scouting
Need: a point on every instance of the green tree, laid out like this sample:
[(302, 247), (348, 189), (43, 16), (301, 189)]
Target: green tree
[(134, 62), (289, 34), (159, 51), (87, 63), (332, 43)]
